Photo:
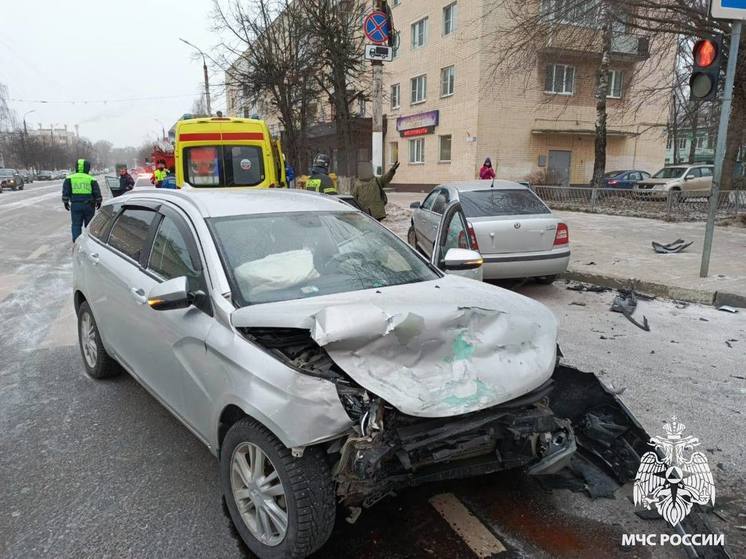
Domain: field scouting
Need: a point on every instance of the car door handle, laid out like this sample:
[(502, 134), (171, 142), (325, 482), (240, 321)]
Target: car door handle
[(138, 294), (93, 257)]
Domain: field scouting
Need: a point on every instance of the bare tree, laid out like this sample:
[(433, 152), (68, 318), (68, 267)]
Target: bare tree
[(334, 30), (269, 62)]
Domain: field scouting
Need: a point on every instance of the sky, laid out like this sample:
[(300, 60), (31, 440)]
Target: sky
[(86, 50)]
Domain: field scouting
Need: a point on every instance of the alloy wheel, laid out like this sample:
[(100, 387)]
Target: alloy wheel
[(88, 340)]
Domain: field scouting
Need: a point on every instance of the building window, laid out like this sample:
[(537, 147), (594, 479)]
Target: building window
[(682, 143), (395, 96), (669, 143), (361, 107), (616, 78), (395, 42), (449, 19), (445, 149), (571, 12), (701, 142), (419, 89), (559, 79), (417, 150), (394, 152), (419, 33), (447, 81)]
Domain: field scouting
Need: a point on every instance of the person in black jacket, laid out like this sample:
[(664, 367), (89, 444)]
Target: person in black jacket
[(126, 182), (81, 196)]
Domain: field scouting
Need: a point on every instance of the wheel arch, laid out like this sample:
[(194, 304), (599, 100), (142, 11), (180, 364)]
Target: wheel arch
[(78, 299)]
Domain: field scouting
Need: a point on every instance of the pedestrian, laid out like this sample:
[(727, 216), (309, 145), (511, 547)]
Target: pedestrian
[(160, 174), (289, 175), (320, 181), (487, 172), (81, 196), (126, 182), (368, 190)]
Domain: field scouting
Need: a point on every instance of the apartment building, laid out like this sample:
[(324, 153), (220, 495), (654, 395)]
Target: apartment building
[(704, 146), (447, 110)]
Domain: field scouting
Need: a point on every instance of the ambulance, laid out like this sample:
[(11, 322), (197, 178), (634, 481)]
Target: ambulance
[(223, 152)]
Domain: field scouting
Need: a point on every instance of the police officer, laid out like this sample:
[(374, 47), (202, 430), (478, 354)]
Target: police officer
[(320, 181), (81, 196), (160, 174)]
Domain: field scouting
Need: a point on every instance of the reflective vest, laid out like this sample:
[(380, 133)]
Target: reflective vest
[(160, 175), (81, 184), (315, 185)]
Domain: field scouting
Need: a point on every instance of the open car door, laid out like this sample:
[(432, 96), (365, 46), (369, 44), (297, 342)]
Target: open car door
[(453, 250)]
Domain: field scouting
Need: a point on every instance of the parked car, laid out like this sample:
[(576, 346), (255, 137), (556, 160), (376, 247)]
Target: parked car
[(624, 179), (678, 178), (28, 176), (516, 233), (10, 178), (60, 174), (45, 175), (326, 359)]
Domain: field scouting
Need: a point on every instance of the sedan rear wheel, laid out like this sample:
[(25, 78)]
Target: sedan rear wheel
[(98, 364)]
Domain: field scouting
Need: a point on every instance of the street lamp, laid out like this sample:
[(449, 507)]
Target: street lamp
[(204, 70), (163, 129), (25, 130), (25, 137)]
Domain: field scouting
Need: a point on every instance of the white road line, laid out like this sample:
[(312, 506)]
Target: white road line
[(38, 252), (475, 534)]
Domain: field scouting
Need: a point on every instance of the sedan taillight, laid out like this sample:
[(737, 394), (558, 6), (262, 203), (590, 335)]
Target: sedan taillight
[(472, 238), (562, 236)]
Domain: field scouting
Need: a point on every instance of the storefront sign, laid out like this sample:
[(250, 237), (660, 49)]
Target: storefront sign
[(419, 124)]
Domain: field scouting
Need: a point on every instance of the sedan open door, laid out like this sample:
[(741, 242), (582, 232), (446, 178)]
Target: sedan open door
[(454, 248)]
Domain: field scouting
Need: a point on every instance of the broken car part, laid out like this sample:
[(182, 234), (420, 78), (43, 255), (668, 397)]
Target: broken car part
[(625, 302), (677, 246)]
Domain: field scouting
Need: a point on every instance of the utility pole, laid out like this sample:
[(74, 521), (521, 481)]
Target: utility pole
[(204, 71), (25, 137), (735, 39)]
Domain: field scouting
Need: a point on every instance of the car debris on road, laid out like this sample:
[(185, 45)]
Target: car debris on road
[(676, 246), (625, 303)]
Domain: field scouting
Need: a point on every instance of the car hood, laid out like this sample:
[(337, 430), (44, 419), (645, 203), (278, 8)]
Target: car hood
[(657, 181), (432, 349)]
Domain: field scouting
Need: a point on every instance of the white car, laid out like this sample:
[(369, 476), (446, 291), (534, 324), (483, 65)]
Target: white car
[(515, 231)]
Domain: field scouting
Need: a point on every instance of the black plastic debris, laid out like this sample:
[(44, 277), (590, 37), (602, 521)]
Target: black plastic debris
[(677, 246), (626, 302), (587, 287)]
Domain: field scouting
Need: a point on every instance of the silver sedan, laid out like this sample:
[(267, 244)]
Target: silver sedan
[(515, 231)]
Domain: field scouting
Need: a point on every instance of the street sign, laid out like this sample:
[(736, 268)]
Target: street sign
[(379, 52), (377, 28), (729, 9)]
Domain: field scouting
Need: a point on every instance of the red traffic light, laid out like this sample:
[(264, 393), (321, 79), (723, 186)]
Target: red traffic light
[(705, 52)]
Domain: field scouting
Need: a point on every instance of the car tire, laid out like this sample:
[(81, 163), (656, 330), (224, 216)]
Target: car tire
[(412, 237), (98, 364), (546, 280), (308, 493), (20, 187)]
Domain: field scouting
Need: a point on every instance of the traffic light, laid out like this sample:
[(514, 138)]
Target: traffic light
[(706, 56)]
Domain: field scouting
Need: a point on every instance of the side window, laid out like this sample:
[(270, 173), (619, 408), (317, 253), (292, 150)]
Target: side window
[(693, 173), (456, 236), (101, 224), (634, 176), (706, 171), (645, 175), (439, 206), (430, 200), (130, 231), (170, 257)]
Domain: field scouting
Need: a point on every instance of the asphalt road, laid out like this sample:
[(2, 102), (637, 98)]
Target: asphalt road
[(100, 469)]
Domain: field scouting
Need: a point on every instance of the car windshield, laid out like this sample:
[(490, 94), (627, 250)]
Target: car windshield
[(6, 173), (670, 173), (211, 166), (280, 257), (483, 203), (613, 174)]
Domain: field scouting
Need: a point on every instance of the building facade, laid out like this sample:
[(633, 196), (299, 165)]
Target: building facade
[(704, 146), (448, 109)]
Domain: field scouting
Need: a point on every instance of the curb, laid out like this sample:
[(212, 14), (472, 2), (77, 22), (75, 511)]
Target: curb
[(701, 296)]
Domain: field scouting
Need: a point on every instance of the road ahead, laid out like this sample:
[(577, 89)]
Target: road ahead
[(101, 469)]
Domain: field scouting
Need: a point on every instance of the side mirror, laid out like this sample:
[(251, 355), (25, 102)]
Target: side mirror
[(170, 295), (462, 259), (415, 205), (688, 177)]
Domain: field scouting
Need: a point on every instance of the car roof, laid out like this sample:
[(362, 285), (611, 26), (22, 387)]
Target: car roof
[(497, 184), (227, 202)]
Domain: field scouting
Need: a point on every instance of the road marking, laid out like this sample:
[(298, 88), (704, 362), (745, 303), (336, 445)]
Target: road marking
[(38, 252), (475, 534)]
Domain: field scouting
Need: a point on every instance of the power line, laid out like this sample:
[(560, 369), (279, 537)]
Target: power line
[(101, 101)]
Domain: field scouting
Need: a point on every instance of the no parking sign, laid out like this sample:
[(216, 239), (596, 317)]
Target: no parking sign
[(377, 28)]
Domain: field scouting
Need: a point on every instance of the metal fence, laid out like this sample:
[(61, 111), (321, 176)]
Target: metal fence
[(675, 205)]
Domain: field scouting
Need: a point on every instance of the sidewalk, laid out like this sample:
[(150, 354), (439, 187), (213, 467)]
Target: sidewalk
[(615, 251)]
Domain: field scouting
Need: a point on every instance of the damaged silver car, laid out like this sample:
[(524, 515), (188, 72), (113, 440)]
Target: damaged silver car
[(324, 361)]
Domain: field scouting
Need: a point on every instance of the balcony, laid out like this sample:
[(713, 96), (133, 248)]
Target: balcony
[(569, 41)]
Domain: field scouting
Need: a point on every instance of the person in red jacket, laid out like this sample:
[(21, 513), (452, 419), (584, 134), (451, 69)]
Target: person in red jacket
[(487, 172)]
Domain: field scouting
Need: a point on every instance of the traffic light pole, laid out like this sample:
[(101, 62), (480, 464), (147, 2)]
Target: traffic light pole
[(730, 73)]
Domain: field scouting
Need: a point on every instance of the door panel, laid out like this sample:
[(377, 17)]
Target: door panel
[(558, 170)]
